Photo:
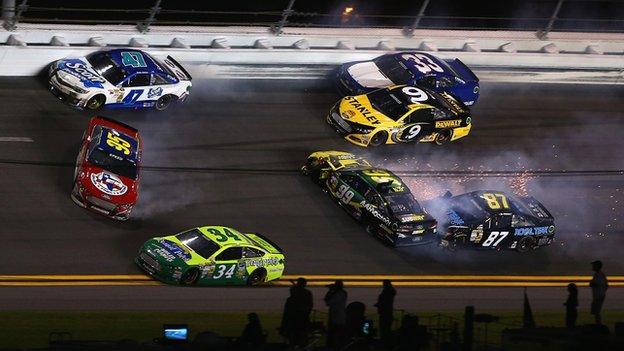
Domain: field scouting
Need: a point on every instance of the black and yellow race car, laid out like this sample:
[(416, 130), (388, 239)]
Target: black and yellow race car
[(492, 220), (374, 196), (400, 114)]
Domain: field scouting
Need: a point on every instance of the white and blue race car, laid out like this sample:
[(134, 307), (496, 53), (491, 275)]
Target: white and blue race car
[(119, 78)]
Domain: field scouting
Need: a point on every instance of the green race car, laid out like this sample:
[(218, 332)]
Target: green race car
[(212, 255)]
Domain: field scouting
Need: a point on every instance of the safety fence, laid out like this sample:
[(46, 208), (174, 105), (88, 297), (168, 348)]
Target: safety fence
[(540, 17)]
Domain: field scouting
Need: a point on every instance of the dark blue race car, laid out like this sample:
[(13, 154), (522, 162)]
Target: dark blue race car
[(493, 220), (411, 68)]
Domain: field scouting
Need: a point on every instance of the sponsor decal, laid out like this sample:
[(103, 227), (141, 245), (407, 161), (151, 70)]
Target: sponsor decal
[(412, 218), (175, 249), (261, 262), (448, 124), (373, 210), (347, 114), (363, 110), (83, 72), (166, 255), (532, 231), (108, 183), (455, 218), (345, 157), (154, 92)]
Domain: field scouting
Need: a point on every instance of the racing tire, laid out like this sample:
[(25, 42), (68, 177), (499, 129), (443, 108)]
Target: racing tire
[(443, 137), (378, 139), (163, 102), (190, 277), (257, 277), (526, 244), (95, 102)]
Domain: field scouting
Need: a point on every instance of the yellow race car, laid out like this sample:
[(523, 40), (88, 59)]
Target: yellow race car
[(400, 114)]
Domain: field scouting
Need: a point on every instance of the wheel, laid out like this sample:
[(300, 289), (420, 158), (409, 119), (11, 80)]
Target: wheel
[(163, 102), (378, 139), (256, 277), (96, 102), (525, 244), (190, 277), (443, 137)]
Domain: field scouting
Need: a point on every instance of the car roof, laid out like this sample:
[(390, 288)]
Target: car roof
[(118, 131), (442, 100), (375, 177), (151, 65), (411, 65), (231, 241)]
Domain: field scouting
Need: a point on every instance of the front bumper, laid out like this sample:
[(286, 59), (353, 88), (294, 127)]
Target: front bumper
[(357, 139), (426, 238), (65, 94), (80, 201), (153, 271)]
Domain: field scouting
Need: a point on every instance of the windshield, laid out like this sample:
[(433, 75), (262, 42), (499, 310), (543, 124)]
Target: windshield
[(198, 242), (469, 207), (104, 66), (384, 101), (113, 163), (393, 69), (403, 204)]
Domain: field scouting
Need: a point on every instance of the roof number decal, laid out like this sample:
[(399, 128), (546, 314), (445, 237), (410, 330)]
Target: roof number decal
[(423, 63), (133, 58)]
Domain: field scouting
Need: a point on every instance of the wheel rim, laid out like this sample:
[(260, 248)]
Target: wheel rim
[(190, 277), (442, 138), (256, 278), (94, 103), (377, 139), (163, 102)]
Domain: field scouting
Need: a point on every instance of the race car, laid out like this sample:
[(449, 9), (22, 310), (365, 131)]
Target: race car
[(375, 197), (410, 68), (400, 114), (106, 177), (492, 220), (119, 78), (211, 255)]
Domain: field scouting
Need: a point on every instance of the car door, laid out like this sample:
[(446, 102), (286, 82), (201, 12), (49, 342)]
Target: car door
[(497, 231), (228, 265), (416, 125), (135, 88)]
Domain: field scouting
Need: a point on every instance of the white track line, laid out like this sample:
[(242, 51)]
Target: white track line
[(17, 139)]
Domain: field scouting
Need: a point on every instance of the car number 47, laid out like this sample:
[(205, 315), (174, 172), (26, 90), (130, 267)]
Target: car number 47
[(495, 238), (222, 271)]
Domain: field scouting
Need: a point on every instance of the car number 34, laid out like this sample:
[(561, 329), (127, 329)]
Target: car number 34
[(222, 271)]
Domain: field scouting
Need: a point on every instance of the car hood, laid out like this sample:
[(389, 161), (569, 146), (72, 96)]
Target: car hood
[(168, 251), (107, 185), (368, 75), (358, 109), (80, 73)]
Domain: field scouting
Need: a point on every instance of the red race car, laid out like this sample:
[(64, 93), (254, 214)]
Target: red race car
[(106, 179)]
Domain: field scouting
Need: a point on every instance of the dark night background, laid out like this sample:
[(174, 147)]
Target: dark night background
[(605, 15)]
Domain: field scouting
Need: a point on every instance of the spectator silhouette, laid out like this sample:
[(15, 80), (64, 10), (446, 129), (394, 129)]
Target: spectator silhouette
[(599, 286), (253, 337), (385, 309), (336, 300), (296, 316), (355, 314), (571, 305)]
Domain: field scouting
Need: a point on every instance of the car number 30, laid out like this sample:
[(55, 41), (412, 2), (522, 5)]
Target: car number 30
[(222, 271)]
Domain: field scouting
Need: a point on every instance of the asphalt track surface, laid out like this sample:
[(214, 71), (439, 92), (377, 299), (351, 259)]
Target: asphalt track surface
[(230, 157)]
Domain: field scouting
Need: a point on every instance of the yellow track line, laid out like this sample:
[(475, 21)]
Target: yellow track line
[(321, 280)]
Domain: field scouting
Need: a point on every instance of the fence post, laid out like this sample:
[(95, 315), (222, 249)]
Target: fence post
[(468, 328), (12, 14), (277, 30), (143, 27), (544, 34), (409, 31)]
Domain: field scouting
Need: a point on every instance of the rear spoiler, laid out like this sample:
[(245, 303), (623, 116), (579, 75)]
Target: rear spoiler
[(264, 242), (465, 72), (180, 67), (117, 122)]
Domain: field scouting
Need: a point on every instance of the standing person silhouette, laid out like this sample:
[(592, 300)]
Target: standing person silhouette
[(336, 301), (571, 305), (385, 310), (296, 317), (599, 286)]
